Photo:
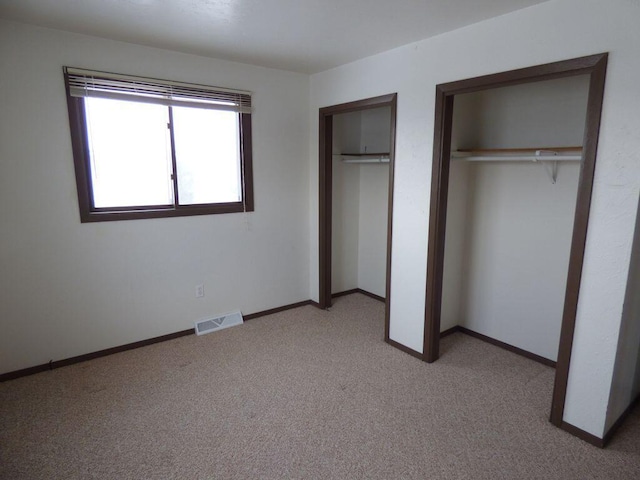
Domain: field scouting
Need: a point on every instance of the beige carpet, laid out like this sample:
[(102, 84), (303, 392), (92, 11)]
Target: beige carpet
[(301, 394)]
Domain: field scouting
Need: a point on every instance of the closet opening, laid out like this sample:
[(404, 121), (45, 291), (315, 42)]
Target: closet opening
[(356, 145), (497, 169)]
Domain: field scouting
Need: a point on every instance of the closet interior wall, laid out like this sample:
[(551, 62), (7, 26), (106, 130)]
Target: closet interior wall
[(509, 226), (625, 388), (360, 202)]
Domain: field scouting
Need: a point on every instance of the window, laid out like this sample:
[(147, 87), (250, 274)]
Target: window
[(147, 148)]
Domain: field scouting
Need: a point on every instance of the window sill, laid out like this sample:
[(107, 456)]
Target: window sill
[(183, 211)]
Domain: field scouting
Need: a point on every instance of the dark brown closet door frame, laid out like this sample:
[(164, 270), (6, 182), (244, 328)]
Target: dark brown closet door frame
[(595, 67), (326, 191)]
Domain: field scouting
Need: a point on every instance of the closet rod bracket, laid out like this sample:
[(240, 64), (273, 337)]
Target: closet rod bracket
[(550, 166)]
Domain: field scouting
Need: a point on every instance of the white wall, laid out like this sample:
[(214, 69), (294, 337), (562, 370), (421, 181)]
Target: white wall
[(359, 227), (347, 132), (374, 202), (507, 245), (552, 31), (626, 378), (360, 203), (519, 240), (372, 225), (457, 240), (459, 210), (546, 114), (68, 288), (375, 130), (345, 204)]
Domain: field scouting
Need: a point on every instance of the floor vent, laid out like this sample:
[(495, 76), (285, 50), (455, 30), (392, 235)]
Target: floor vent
[(218, 323)]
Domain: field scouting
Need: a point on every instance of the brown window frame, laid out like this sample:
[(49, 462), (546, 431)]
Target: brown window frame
[(88, 211)]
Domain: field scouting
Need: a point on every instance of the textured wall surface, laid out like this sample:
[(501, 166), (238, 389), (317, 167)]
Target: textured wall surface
[(508, 226), (360, 203), (68, 288), (553, 31)]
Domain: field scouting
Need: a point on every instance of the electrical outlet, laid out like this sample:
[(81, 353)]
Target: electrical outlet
[(199, 291)]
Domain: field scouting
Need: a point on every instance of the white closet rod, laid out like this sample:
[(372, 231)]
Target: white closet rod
[(548, 158), (365, 158), (512, 158), (533, 156)]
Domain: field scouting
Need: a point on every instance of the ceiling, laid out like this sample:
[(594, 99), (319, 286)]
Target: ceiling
[(306, 36)]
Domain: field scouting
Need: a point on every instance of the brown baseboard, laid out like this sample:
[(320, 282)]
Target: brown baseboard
[(506, 346), (271, 311), (90, 356), (372, 295), (345, 293), (403, 348), (130, 346), (358, 290), (620, 421), (449, 331), (582, 435)]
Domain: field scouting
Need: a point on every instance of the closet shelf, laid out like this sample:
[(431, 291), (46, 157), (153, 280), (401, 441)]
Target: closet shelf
[(547, 156), (382, 157)]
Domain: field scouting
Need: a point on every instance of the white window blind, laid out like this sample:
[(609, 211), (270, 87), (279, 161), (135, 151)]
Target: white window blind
[(87, 83)]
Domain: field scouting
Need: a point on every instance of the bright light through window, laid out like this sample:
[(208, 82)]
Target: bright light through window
[(130, 153), (207, 155), (130, 148), (152, 148)]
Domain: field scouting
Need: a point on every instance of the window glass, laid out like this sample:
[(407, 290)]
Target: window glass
[(150, 148), (130, 153), (207, 155)]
